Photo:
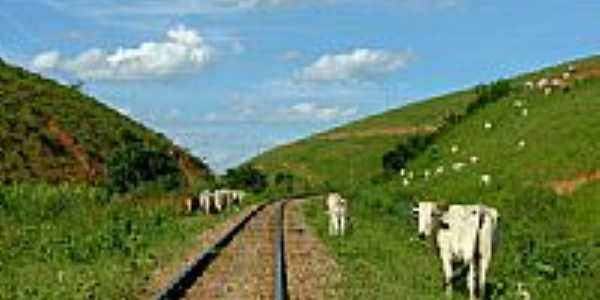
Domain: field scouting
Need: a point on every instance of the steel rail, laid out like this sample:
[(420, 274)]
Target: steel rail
[(186, 278)]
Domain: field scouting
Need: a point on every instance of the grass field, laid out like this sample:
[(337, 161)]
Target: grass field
[(72, 242), (549, 241)]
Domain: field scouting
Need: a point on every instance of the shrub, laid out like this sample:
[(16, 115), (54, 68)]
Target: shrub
[(396, 159), (136, 164), (284, 181), (246, 177)]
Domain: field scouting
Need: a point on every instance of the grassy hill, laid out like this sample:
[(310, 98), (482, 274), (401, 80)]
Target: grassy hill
[(548, 192), (352, 154), (64, 234), (55, 133)]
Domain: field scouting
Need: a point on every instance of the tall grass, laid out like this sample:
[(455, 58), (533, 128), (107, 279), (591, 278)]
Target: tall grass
[(73, 242)]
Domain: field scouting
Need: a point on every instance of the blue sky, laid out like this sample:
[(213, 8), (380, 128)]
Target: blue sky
[(230, 78)]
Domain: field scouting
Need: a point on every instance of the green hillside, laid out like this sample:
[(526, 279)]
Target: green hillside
[(547, 190), (352, 154), (55, 133)]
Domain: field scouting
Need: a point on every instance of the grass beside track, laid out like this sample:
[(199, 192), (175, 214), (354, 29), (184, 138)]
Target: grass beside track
[(71, 242), (548, 242)]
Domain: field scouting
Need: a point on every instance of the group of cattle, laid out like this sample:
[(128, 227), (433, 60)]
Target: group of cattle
[(213, 201), (462, 234), (548, 85), (409, 176)]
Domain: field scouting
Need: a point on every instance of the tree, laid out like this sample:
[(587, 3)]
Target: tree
[(136, 164), (246, 177), (285, 181)]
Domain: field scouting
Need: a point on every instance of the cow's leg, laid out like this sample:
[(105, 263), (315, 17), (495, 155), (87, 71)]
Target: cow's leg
[(331, 224), (483, 267), (337, 224), (343, 224), (471, 280), (447, 266)]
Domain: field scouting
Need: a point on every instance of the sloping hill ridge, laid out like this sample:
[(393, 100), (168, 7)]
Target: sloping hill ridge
[(55, 133), (351, 154), (543, 166)]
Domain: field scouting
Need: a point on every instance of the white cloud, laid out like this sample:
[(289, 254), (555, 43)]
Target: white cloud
[(46, 60), (310, 110), (359, 65), (183, 51)]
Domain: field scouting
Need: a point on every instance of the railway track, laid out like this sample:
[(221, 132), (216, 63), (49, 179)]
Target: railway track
[(248, 262)]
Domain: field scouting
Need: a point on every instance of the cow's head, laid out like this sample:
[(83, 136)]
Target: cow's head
[(426, 213)]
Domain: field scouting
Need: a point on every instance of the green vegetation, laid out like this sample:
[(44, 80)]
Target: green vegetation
[(246, 177), (549, 241), (64, 232), (351, 155), (54, 133), (136, 164), (72, 242)]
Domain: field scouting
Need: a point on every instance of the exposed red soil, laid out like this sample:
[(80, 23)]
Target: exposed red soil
[(569, 186), (392, 131), (90, 169)]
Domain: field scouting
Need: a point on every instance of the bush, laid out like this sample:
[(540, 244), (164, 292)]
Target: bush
[(136, 164), (489, 93), (284, 181), (246, 177), (396, 159)]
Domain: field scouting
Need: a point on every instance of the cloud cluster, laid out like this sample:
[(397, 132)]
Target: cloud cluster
[(361, 64), (184, 50), (310, 110)]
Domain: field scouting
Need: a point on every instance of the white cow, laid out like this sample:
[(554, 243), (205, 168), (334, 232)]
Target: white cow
[(486, 179), (542, 83), (405, 182), (557, 82), (474, 159), (521, 144), (454, 149), (458, 166), (337, 208), (238, 196), (462, 233), (220, 197), (439, 170), (207, 201), (530, 85), (488, 125), (525, 112), (426, 174), (518, 104)]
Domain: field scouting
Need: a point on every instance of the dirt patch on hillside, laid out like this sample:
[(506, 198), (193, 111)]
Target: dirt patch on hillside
[(392, 131), (568, 187), (587, 71), (90, 169)]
